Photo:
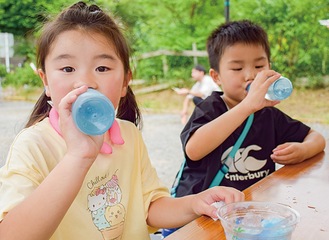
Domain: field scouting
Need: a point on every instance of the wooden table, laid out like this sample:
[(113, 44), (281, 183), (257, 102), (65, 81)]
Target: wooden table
[(304, 187)]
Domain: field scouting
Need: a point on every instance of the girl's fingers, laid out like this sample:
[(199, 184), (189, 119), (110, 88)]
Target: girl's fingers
[(69, 99)]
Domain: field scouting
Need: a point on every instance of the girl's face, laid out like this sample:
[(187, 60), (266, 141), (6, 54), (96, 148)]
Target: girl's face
[(238, 67), (79, 58)]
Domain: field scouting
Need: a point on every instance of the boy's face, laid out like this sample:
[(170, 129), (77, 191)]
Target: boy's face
[(238, 67)]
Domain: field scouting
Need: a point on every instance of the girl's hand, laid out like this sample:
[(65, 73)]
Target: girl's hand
[(258, 89), (79, 145), (289, 153), (202, 202)]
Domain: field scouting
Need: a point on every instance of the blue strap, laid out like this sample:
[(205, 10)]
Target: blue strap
[(224, 169), (177, 179)]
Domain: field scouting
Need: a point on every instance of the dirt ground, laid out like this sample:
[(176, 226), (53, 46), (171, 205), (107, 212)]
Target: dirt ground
[(160, 131)]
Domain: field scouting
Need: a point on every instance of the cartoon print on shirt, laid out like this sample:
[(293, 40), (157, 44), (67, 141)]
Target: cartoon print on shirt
[(115, 215), (244, 164), (113, 190), (108, 214), (97, 205)]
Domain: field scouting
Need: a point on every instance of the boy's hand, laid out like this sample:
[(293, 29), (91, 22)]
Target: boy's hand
[(258, 89), (289, 153)]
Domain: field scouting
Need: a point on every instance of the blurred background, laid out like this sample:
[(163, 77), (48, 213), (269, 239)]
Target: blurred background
[(168, 37)]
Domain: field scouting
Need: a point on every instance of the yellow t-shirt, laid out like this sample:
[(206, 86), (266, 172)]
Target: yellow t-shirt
[(114, 198)]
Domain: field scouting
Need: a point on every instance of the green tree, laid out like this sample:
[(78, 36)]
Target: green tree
[(173, 25), (298, 42), (23, 18), (20, 17)]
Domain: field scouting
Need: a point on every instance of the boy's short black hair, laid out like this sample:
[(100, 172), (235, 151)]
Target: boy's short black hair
[(230, 33), (200, 68)]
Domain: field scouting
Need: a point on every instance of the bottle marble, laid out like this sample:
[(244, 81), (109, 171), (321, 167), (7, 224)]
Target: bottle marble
[(279, 90)]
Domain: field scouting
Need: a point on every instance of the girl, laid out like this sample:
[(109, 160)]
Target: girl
[(59, 183)]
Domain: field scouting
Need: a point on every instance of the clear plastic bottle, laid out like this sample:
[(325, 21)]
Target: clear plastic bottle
[(279, 90), (93, 113)]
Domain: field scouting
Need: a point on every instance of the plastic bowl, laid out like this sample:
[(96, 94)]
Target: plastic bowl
[(258, 220)]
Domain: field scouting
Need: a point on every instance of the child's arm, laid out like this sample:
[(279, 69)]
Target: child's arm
[(294, 152), (167, 212), (211, 135), (38, 216)]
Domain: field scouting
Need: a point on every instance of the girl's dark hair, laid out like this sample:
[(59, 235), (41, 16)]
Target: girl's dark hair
[(93, 19), (230, 33)]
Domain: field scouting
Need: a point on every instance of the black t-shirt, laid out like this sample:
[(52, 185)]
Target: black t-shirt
[(252, 161)]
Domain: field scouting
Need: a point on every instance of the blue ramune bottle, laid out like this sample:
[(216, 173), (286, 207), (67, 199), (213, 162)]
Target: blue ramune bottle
[(93, 113), (279, 90)]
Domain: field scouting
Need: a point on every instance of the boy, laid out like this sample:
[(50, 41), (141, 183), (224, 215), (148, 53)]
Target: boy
[(239, 54)]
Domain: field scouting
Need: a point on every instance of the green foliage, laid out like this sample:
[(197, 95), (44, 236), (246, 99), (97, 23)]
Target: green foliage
[(172, 25), (179, 67), (298, 42), (25, 47), (20, 16), (22, 76), (149, 68), (3, 71)]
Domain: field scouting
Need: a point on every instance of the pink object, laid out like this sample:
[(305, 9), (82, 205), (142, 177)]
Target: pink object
[(114, 132)]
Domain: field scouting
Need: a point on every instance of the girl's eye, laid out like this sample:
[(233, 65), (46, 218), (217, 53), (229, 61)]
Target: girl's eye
[(236, 69), (259, 66), (102, 69), (68, 69)]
